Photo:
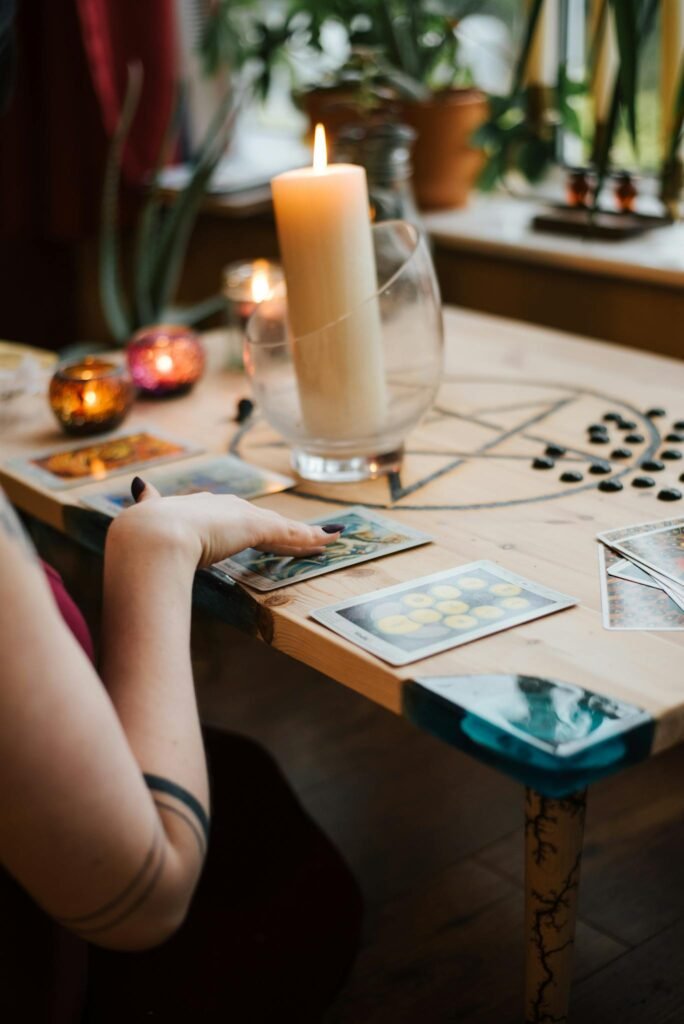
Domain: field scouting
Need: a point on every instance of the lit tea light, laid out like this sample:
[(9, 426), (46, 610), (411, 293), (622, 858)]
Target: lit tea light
[(90, 396), (247, 284), (165, 360)]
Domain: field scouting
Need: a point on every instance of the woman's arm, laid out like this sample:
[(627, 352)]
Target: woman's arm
[(114, 857)]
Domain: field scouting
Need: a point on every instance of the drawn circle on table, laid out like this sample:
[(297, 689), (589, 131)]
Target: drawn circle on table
[(255, 441)]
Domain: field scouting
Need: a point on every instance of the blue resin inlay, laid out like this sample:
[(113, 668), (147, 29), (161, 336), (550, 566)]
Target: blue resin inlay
[(552, 736)]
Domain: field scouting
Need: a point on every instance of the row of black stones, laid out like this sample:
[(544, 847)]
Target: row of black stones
[(598, 434)]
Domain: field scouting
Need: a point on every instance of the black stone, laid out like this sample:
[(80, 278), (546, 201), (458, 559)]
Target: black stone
[(556, 451), (643, 481), (599, 439), (635, 439), (600, 468), (679, 425), (245, 408), (671, 454), (610, 485), (620, 453), (614, 417), (669, 494), (674, 437), (654, 413), (626, 425), (652, 465), (543, 462), (597, 428), (571, 476)]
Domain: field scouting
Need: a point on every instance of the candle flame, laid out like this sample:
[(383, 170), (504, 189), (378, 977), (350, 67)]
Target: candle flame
[(89, 397), (164, 362), (320, 152), (261, 286), (98, 468)]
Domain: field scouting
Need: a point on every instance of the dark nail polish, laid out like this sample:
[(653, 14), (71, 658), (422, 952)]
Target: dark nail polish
[(333, 528), (137, 487)]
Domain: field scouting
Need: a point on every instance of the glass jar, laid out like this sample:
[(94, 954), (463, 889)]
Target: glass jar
[(345, 396), (385, 152)]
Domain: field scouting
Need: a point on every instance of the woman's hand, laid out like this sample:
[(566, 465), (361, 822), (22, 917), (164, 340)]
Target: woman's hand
[(211, 527)]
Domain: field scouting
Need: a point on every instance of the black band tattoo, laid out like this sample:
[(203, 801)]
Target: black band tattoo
[(159, 784), (199, 837), (130, 899)]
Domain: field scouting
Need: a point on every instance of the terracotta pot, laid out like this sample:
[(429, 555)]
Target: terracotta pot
[(336, 108), (445, 164)]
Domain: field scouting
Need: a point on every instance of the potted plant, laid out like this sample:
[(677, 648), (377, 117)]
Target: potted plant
[(402, 62)]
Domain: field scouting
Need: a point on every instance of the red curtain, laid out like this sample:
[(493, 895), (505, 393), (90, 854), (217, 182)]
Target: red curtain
[(72, 66)]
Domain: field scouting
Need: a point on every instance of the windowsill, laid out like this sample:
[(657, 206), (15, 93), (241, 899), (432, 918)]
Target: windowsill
[(500, 225)]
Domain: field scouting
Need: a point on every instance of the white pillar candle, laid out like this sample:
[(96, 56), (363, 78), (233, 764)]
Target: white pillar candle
[(606, 61), (672, 52), (323, 221), (542, 59)]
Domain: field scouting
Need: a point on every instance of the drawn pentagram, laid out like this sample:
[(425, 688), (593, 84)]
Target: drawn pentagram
[(479, 430)]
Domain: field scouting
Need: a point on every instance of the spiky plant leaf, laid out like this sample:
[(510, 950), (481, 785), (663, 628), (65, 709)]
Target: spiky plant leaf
[(530, 27), (111, 291), (180, 218), (624, 13), (197, 312)]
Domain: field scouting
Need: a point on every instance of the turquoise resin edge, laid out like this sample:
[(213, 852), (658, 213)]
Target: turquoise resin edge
[(552, 736)]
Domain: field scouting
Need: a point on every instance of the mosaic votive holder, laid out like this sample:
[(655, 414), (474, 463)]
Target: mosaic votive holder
[(91, 396), (165, 359)]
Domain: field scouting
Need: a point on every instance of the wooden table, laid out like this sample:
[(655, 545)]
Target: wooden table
[(567, 702)]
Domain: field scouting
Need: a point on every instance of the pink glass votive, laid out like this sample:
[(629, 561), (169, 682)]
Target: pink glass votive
[(165, 359)]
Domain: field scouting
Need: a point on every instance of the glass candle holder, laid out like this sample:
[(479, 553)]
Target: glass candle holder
[(345, 396), (165, 359), (91, 396), (246, 284)]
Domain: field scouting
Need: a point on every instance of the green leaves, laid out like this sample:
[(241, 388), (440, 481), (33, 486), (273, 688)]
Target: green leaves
[(164, 226)]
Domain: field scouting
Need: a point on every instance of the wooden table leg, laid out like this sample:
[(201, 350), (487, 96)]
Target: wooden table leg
[(554, 831)]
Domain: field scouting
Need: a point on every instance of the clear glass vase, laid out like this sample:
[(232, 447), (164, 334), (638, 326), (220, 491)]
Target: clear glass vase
[(345, 396)]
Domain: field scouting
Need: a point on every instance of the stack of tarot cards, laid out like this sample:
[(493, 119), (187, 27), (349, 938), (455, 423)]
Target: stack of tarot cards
[(642, 576)]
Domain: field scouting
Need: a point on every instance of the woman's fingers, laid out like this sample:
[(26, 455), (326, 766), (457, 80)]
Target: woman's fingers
[(288, 537), (142, 491)]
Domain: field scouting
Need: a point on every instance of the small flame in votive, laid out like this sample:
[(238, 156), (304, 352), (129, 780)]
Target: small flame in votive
[(164, 362), (89, 398), (320, 151), (261, 286), (98, 468)]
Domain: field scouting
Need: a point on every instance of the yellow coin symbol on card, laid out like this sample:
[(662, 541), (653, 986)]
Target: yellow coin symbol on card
[(397, 624), (515, 603), (445, 591), (487, 611), (505, 589), (460, 622), (417, 600), (471, 583), (453, 607), (425, 615)]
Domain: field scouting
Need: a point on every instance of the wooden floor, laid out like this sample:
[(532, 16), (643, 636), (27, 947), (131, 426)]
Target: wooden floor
[(435, 841)]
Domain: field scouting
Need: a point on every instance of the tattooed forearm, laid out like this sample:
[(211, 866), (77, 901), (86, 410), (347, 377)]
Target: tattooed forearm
[(131, 897)]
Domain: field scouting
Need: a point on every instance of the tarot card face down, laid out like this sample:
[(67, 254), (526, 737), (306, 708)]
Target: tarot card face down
[(413, 620), (629, 603), (366, 536), (84, 463), (224, 474)]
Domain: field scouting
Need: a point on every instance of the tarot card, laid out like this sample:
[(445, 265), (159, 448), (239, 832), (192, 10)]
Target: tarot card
[(629, 605), (222, 474), (626, 570), (87, 461), (663, 552), (411, 621), (366, 536)]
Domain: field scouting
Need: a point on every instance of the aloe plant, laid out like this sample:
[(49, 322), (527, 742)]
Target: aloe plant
[(164, 226)]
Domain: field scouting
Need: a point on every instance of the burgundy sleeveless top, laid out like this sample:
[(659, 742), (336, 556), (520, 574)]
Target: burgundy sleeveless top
[(70, 612)]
